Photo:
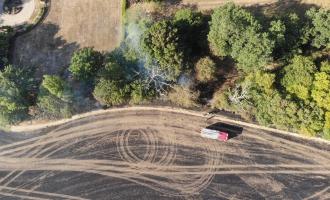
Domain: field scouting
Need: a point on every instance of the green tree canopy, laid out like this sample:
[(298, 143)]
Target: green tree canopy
[(235, 32), (191, 25), (161, 43), (310, 118), (85, 63), (110, 93), (113, 71), (5, 34), (16, 86), (326, 129), (321, 87), (139, 92), (298, 77), (320, 27), (188, 17)]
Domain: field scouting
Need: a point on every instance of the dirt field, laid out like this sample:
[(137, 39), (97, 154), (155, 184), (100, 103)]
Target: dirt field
[(68, 26), (160, 155), (210, 4)]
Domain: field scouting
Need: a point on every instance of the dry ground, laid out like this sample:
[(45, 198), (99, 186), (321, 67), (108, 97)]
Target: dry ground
[(210, 4), (160, 155), (68, 26)]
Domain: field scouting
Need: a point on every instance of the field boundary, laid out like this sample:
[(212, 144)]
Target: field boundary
[(223, 118)]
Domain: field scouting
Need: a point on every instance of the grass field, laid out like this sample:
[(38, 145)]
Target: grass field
[(68, 26)]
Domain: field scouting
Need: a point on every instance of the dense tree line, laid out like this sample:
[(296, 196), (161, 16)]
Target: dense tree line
[(282, 76), (5, 35), (294, 95)]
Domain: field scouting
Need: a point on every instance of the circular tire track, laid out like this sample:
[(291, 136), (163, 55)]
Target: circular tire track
[(152, 151)]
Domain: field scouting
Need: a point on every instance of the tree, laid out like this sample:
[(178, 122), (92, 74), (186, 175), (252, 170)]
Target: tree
[(55, 99), (310, 118), (288, 33), (298, 77), (221, 101), (205, 69), (5, 35), (267, 105), (277, 32), (321, 87), (110, 93), (252, 50), (140, 93), (319, 29), (85, 63), (326, 129), (16, 87), (235, 32), (113, 71), (191, 25), (55, 85), (188, 17), (161, 43)]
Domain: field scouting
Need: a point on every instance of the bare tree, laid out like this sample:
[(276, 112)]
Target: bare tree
[(239, 95), (155, 78)]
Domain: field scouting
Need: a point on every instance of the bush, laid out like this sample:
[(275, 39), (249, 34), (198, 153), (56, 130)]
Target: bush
[(205, 70), (85, 63), (139, 92), (220, 100), (183, 96), (111, 93), (55, 99)]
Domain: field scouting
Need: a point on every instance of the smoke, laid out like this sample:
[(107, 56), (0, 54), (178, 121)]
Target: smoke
[(147, 68)]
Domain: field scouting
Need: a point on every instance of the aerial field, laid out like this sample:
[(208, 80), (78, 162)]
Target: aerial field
[(69, 25), (210, 4), (153, 154)]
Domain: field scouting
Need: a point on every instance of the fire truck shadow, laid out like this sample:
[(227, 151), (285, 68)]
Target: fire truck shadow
[(232, 130)]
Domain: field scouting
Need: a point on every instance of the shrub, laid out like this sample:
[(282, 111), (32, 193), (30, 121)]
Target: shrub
[(205, 69), (111, 93), (220, 100), (85, 63), (55, 99), (139, 92), (183, 96)]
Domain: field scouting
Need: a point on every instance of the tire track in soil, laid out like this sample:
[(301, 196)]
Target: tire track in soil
[(169, 158)]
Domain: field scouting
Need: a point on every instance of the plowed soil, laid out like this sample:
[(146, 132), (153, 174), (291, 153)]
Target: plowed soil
[(69, 25), (160, 155)]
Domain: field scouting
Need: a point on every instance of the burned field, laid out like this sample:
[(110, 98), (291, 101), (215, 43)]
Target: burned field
[(152, 154), (68, 26)]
